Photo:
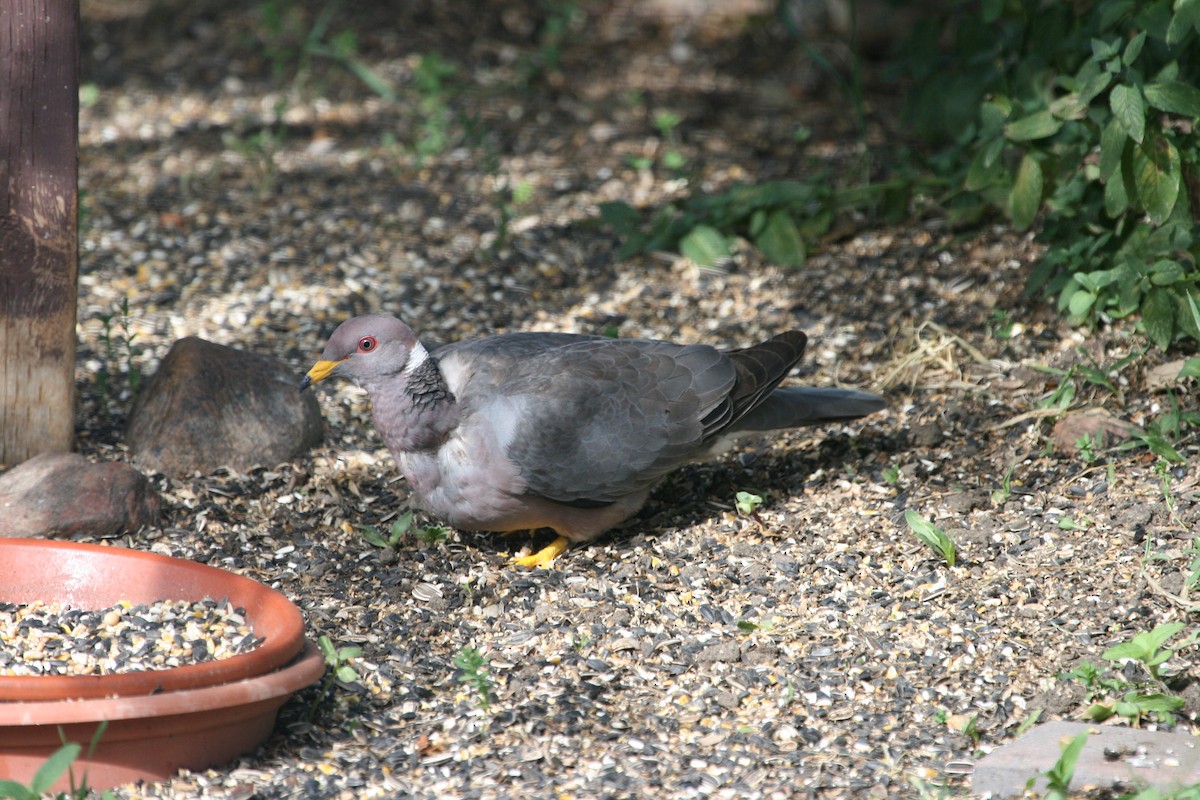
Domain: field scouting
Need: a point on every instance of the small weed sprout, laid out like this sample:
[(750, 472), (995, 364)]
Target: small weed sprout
[(433, 535), (473, 671), (933, 536), (1001, 495), (1134, 701), (891, 475), (399, 527), (432, 75), (119, 348), (429, 535), (1058, 777), (1088, 444), (338, 659), (60, 761), (747, 503), (1147, 647)]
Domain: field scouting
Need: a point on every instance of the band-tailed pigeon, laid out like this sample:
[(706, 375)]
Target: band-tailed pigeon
[(565, 431)]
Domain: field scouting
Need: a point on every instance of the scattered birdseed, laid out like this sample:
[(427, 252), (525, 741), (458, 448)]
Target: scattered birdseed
[(55, 639)]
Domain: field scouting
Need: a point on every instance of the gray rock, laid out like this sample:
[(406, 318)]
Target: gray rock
[(725, 651), (64, 494), (1112, 756), (211, 406)]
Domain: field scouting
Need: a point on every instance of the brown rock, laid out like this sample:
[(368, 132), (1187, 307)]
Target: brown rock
[(64, 494), (211, 406), (1098, 423)]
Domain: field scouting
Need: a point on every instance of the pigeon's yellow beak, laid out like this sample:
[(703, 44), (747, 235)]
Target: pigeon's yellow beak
[(319, 372)]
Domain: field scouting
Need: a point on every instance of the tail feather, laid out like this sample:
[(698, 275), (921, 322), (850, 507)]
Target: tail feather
[(797, 406)]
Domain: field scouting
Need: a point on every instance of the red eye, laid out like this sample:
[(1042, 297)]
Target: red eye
[(367, 344)]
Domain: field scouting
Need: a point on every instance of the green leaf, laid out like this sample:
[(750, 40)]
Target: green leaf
[(1191, 369), (328, 650), (1157, 174), (1112, 147), (16, 791), (1102, 50), (1038, 125), (58, 763), (1133, 49), (1128, 107), (780, 241), (1186, 19), (1158, 317), (400, 526), (371, 534), (1094, 86), (1116, 194), (1173, 97), (747, 502), (982, 173), (1166, 272), (1081, 302), (1025, 198), (933, 536), (622, 216), (704, 245), (1143, 644), (1069, 106), (1157, 702)]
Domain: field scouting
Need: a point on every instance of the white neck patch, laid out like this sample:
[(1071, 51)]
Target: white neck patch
[(416, 357)]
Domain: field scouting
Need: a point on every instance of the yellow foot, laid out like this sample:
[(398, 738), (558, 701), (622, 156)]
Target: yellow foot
[(543, 557)]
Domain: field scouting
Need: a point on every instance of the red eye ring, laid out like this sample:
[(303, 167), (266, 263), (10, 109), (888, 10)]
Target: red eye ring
[(367, 343)]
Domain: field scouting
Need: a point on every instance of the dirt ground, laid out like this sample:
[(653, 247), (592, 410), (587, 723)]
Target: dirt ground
[(817, 649)]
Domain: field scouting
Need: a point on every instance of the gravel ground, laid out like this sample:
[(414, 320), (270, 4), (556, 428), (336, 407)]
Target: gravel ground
[(815, 649)]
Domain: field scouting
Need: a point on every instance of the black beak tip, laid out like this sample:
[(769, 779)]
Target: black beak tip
[(304, 384)]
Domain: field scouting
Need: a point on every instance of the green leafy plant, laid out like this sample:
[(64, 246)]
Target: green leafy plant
[(891, 475), (780, 218), (1111, 694), (292, 46), (554, 36), (1088, 444), (1147, 647), (402, 526), (433, 535), (339, 660), (1000, 496), (1083, 115), (54, 767), (473, 671), (747, 503), (509, 199), (1058, 777), (668, 155), (1001, 324), (933, 536), (59, 762), (396, 532), (119, 349), (1067, 523), (971, 730), (432, 77)]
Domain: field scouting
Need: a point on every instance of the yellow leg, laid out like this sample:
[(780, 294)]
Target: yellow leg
[(543, 557)]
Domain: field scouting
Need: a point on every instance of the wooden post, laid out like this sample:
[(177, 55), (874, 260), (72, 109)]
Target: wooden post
[(39, 165)]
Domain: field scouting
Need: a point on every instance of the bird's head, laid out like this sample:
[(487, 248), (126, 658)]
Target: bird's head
[(367, 349)]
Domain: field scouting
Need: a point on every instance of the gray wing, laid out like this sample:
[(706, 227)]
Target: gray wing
[(596, 419)]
